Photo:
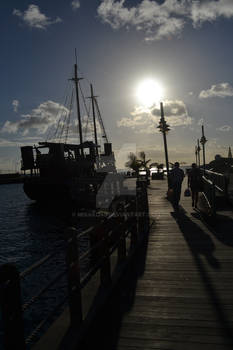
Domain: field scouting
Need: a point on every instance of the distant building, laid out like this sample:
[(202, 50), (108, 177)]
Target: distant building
[(217, 157), (229, 153), (222, 164)]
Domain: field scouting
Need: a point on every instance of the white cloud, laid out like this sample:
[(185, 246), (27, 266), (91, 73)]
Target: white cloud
[(157, 21), (15, 104), (218, 90), (163, 20), (23, 141), (224, 128), (200, 121), (87, 128), (34, 18), (7, 143), (75, 4), (40, 119), (202, 11), (146, 120)]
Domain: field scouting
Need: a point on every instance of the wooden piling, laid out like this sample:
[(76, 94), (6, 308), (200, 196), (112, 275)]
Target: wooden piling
[(10, 300)]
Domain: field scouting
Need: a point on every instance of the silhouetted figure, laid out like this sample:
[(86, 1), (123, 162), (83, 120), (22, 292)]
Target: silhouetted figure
[(176, 177), (195, 183)]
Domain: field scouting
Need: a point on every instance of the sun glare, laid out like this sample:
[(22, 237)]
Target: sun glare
[(149, 92)]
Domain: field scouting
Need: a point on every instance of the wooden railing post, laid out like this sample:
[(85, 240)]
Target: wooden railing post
[(133, 223), (138, 211), (10, 300), (146, 211), (105, 270), (142, 209), (226, 181), (73, 276), (121, 250), (213, 200)]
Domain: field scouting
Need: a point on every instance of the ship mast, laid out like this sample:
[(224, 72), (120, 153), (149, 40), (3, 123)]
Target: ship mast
[(76, 80), (101, 121), (94, 119)]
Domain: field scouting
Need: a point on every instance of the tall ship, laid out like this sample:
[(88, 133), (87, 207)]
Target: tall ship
[(79, 174)]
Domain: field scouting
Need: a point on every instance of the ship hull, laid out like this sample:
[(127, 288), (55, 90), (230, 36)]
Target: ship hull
[(88, 192), (58, 193)]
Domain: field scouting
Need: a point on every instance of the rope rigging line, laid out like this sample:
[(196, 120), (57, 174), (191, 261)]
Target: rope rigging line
[(68, 119), (63, 121), (56, 133), (63, 124), (87, 122), (100, 120), (85, 106), (49, 134)]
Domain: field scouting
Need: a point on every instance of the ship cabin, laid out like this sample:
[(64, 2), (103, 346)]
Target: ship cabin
[(59, 159), (50, 159)]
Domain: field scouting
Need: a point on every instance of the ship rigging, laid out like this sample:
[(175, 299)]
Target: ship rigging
[(69, 171)]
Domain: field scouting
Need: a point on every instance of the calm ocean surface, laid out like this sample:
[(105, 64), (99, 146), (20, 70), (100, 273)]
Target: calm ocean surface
[(27, 233)]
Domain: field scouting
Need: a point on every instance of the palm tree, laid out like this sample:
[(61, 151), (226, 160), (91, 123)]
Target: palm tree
[(144, 162), (137, 164), (154, 165), (160, 166), (133, 163)]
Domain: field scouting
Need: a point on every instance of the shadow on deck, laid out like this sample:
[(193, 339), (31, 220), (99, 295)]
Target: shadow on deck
[(104, 331), (177, 291), (200, 243)]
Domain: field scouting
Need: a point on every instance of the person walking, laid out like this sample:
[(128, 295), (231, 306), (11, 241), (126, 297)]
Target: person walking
[(194, 183), (176, 178)]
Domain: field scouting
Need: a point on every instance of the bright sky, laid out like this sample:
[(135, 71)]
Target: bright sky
[(181, 48)]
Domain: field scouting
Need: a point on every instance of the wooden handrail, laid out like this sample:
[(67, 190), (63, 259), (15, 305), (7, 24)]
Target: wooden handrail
[(109, 235)]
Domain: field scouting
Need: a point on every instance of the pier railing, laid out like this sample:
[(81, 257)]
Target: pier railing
[(220, 181), (119, 232), (209, 194), (12, 307)]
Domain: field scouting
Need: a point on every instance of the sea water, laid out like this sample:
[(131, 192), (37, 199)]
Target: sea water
[(28, 233)]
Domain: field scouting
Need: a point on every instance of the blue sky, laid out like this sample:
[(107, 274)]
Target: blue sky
[(185, 46)]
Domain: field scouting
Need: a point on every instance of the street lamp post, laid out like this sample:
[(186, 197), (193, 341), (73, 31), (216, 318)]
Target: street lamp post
[(164, 128), (203, 142), (198, 152)]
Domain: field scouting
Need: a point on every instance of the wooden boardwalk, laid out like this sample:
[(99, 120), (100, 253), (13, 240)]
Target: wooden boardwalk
[(178, 291)]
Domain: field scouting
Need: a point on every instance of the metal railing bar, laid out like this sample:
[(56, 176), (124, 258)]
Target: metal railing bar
[(207, 200), (83, 233), (219, 189), (115, 246), (86, 278), (89, 251), (207, 180), (42, 291), (36, 264), (110, 216), (214, 173), (43, 322)]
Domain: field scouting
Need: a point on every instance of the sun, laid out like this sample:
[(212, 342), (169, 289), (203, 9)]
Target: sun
[(149, 92)]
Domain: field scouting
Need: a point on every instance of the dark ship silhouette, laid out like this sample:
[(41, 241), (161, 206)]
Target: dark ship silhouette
[(72, 174)]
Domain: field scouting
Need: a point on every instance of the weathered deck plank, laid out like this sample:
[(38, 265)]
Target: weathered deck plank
[(184, 297), (178, 292)]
